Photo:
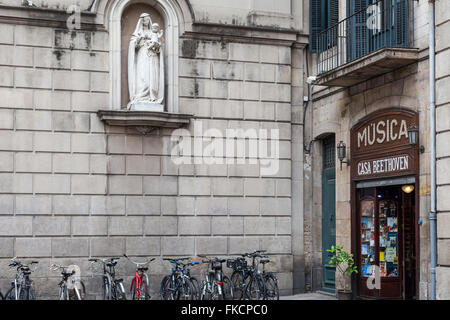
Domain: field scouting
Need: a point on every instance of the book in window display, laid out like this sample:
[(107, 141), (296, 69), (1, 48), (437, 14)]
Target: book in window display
[(388, 239), (367, 237)]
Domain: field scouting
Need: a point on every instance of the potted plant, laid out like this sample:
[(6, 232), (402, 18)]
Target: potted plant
[(345, 265)]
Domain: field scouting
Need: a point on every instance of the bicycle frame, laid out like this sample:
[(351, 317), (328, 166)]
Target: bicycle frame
[(140, 277), (63, 287), (110, 284), (21, 281), (138, 280), (179, 272)]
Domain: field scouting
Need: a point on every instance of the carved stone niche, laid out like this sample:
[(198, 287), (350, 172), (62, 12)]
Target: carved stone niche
[(144, 71)]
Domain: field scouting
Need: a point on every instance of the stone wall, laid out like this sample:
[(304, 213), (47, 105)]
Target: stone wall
[(72, 188), (442, 147)]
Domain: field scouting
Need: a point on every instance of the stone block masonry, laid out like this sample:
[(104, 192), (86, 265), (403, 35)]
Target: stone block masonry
[(72, 188)]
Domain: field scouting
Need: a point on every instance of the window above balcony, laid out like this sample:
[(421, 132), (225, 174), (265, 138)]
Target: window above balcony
[(372, 40)]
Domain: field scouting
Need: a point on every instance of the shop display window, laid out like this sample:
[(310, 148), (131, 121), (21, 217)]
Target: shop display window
[(367, 237)]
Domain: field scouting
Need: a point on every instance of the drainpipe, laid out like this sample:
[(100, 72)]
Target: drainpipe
[(310, 81), (432, 215)]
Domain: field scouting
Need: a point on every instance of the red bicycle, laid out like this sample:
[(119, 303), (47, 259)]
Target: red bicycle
[(140, 284)]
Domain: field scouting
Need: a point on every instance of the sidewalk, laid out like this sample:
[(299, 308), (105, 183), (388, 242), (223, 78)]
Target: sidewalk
[(310, 296)]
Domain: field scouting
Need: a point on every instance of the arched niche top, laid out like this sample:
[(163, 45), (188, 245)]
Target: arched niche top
[(183, 8), (174, 20)]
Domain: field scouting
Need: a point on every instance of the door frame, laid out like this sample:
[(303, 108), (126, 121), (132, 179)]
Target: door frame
[(392, 148), (327, 173), (355, 236)]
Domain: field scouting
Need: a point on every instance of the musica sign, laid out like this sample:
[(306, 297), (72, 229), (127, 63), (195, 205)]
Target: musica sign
[(380, 146)]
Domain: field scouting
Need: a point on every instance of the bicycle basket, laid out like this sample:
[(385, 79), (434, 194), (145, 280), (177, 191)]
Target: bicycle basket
[(230, 263), (217, 265), (241, 264)]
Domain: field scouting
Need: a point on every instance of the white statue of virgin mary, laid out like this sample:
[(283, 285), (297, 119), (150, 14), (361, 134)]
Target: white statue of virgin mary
[(146, 67)]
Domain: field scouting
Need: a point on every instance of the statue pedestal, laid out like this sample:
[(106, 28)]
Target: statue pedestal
[(146, 106)]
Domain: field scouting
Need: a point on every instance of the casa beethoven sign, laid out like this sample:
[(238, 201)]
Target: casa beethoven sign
[(380, 146)]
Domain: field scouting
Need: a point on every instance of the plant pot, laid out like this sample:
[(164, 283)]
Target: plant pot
[(344, 295)]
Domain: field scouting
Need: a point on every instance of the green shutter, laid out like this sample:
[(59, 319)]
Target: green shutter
[(333, 12), (333, 20), (317, 22), (401, 23), (359, 42)]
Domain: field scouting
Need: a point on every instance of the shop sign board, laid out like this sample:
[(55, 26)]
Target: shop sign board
[(380, 146)]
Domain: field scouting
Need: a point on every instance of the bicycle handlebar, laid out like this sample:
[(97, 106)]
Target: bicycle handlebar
[(139, 263), (104, 261), (175, 259), (19, 264)]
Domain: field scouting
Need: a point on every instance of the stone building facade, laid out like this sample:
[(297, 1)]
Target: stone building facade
[(74, 187), (81, 177), (347, 94)]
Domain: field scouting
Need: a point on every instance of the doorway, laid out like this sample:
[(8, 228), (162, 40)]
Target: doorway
[(328, 212), (385, 252)]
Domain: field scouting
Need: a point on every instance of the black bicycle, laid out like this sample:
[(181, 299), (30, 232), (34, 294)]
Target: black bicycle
[(112, 288), (216, 285), (271, 281), (22, 285), (248, 280)]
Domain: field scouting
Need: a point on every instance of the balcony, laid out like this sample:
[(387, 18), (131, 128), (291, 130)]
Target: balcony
[(371, 42)]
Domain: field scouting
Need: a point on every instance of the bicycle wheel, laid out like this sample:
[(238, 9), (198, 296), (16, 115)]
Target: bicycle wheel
[(106, 289), (272, 292), (255, 289), (140, 293), (23, 294), (184, 290), (195, 287), (10, 294), (31, 293), (145, 291), (63, 292), (204, 293), (81, 291), (227, 288), (165, 291), (118, 292), (237, 279)]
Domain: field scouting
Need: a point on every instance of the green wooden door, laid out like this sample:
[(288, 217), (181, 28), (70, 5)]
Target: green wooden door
[(328, 215)]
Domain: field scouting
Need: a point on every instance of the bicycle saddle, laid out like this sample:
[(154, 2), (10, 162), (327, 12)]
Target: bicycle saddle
[(68, 274), (264, 261), (143, 268)]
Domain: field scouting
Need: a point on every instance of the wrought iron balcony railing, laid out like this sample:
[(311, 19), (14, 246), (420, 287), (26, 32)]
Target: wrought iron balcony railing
[(380, 25)]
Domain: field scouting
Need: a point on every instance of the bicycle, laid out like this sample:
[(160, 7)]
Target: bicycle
[(216, 285), (271, 281), (70, 287), (249, 279), (194, 280), (239, 267), (140, 283), (22, 285), (112, 288), (178, 285)]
